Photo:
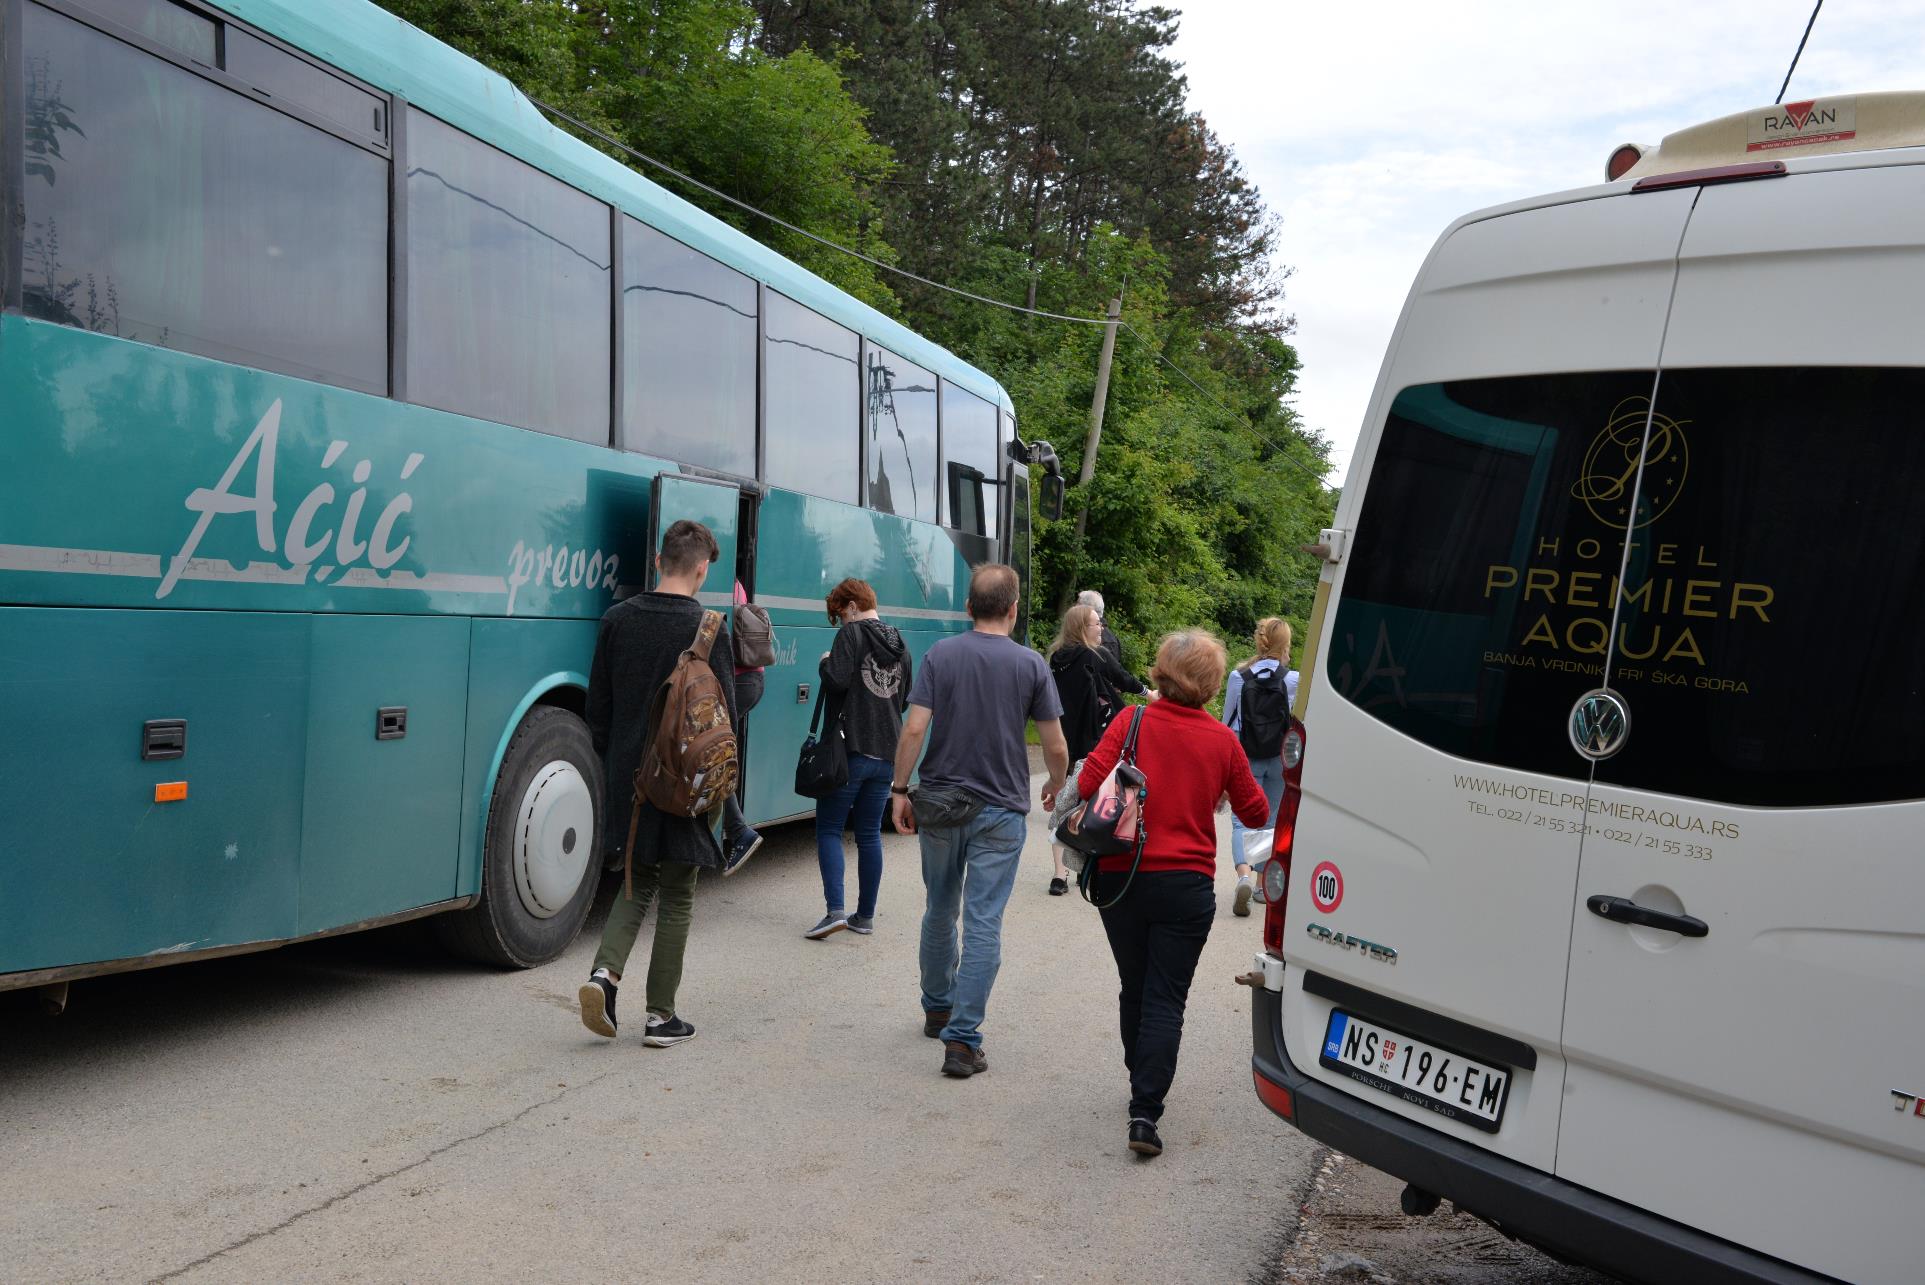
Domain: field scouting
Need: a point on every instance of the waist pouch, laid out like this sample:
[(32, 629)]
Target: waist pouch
[(939, 807)]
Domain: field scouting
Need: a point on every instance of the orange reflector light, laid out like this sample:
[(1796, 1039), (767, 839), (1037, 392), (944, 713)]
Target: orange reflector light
[(1621, 161), (1275, 1096), (170, 791)]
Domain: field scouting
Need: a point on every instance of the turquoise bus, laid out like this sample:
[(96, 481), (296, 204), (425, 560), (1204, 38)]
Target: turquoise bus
[(340, 395)]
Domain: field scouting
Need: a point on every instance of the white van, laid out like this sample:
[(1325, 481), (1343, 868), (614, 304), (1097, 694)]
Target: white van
[(1603, 910)]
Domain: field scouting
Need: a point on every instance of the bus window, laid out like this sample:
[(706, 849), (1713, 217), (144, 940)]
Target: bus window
[(291, 80), (970, 461), (163, 22), (163, 208), (814, 408), (508, 288), (688, 351), (899, 407)]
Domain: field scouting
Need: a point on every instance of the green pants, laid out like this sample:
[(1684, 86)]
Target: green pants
[(675, 882)]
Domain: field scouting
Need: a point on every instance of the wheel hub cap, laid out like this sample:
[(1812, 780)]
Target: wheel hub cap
[(554, 832)]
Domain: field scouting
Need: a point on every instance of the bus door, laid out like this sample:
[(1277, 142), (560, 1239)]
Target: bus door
[(716, 505), (1015, 539)]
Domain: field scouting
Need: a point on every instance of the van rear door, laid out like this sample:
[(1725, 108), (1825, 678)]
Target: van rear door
[(1437, 844), (1762, 1082)]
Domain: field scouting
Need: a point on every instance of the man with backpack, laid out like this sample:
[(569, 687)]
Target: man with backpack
[(1256, 706), (661, 710)]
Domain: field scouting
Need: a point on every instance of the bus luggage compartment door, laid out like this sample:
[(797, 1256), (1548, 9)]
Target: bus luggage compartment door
[(93, 866)]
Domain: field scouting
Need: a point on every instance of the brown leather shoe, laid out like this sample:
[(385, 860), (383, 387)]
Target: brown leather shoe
[(960, 1061), (933, 1021)]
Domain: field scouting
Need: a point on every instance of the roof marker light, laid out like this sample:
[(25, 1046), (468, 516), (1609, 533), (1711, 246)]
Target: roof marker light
[(1707, 177), (1622, 158)]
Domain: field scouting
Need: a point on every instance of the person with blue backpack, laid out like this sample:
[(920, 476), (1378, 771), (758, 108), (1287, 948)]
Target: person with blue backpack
[(1256, 706)]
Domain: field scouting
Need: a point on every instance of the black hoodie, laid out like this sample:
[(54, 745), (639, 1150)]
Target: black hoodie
[(869, 669)]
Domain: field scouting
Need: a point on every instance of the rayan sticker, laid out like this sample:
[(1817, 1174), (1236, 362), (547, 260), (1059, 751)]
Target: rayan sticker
[(1326, 887)]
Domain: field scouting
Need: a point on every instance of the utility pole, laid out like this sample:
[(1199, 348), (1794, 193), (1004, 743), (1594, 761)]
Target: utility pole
[(1096, 413)]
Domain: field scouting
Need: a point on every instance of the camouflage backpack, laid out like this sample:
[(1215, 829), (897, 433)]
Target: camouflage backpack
[(689, 762)]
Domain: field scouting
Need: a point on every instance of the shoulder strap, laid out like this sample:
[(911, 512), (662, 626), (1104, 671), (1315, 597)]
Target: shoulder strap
[(1129, 741), (705, 634)]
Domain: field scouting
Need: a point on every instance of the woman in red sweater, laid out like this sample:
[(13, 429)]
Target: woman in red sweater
[(1158, 929)]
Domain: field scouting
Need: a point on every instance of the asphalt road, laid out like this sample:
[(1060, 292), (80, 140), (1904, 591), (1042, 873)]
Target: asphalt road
[(365, 1109)]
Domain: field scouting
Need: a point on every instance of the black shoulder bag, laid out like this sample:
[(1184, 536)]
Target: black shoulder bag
[(822, 768)]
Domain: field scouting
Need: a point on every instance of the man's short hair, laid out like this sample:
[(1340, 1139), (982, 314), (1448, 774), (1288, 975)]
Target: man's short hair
[(687, 545), (1091, 599), (993, 591)]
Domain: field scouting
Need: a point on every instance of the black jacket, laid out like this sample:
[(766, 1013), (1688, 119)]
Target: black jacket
[(1088, 681), (869, 669), (640, 640)]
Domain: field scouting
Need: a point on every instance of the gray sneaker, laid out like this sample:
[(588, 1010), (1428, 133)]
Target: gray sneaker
[(833, 922), (864, 924)]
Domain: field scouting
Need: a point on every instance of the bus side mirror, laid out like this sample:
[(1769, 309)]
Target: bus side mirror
[(1052, 493)]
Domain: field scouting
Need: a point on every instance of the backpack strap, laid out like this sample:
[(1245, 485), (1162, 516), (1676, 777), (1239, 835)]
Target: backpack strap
[(705, 634)]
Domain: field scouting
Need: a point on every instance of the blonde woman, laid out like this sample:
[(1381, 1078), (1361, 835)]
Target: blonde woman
[(1088, 681), (1256, 706)]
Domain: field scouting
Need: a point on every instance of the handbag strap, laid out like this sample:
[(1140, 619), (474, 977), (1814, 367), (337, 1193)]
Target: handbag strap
[(1087, 876)]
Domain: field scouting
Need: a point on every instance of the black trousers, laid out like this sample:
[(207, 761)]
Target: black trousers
[(1157, 934)]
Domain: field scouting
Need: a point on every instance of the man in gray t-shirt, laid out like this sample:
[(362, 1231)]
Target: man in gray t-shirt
[(977, 691)]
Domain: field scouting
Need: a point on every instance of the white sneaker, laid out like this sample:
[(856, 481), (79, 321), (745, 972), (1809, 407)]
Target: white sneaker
[(1246, 888)]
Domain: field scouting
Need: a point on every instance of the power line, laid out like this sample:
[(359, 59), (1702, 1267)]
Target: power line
[(1212, 398), (1801, 50), (1156, 352), (692, 181)]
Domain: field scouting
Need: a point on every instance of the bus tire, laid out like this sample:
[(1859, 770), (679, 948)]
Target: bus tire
[(539, 870)]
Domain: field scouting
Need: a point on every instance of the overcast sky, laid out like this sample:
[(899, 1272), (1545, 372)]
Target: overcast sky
[(1370, 127)]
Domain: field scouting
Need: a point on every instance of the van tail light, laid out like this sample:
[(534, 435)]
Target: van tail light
[(1275, 874), (1274, 1096)]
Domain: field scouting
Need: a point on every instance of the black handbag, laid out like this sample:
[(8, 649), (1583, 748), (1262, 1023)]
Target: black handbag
[(822, 767)]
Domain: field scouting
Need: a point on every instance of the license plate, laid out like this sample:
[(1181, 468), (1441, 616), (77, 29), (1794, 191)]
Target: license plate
[(1452, 1085)]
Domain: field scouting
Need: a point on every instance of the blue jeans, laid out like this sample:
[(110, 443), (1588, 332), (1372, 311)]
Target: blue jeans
[(866, 794), (969, 868), (1269, 774)]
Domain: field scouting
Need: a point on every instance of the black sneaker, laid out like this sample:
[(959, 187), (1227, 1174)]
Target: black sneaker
[(740, 849), (1057, 887), (833, 922), (864, 924), (597, 996), (664, 1031), (1143, 1139), (959, 1061), (933, 1020)]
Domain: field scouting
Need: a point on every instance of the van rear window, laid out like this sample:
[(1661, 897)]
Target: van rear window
[(1767, 626)]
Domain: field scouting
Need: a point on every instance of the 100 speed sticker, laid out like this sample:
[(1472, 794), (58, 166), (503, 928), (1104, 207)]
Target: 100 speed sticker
[(1326, 887)]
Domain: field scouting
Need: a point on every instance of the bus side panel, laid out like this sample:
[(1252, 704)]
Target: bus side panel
[(92, 867), (920, 573), (778, 725), (382, 815), (505, 657)]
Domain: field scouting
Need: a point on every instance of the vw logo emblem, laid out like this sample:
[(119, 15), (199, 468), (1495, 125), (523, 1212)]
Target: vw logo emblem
[(1599, 724)]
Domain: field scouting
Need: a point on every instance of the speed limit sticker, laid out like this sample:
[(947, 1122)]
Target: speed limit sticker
[(1326, 887)]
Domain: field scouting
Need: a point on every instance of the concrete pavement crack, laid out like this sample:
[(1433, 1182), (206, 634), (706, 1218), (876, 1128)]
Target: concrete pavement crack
[(376, 1180)]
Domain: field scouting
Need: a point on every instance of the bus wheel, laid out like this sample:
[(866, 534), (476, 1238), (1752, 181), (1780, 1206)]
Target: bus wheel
[(538, 866)]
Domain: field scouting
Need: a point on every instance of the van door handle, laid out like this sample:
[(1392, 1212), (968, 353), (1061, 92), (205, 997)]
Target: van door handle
[(1623, 910)]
